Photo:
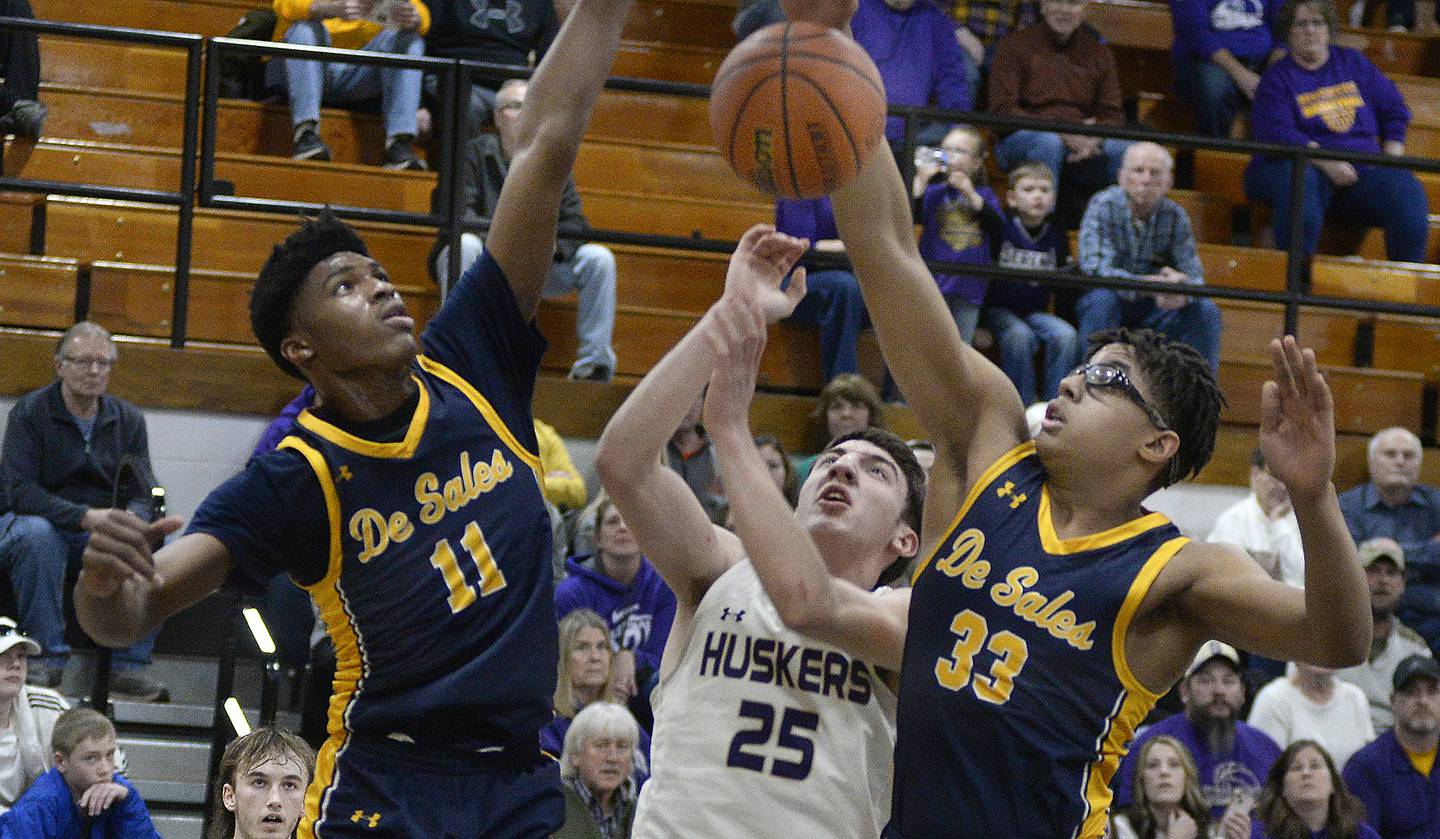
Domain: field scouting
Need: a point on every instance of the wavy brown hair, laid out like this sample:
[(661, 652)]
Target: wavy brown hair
[(1280, 819)]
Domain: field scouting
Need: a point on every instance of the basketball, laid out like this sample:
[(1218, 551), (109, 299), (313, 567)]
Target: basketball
[(797, 108)]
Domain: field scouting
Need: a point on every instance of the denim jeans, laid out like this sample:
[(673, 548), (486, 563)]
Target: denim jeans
[(833, 302), (35, 555), (1020, 339), (591, 274), (1383, 197), (308, 82), (19, 59), (1197, 323), (1212, 93), (1046, 147)]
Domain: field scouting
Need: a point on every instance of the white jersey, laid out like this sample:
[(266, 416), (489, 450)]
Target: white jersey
[(761, 731)]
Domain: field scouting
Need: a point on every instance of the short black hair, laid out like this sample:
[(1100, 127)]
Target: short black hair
[(914, 484), (1184, 390), (272, 303)]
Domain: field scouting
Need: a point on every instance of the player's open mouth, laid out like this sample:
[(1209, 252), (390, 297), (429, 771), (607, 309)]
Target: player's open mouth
[(396, 315), (834, 494), (1053, 419)]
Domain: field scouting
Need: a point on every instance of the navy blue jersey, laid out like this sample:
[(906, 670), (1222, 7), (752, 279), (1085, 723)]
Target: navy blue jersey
[(436, 586), (1016, 701)]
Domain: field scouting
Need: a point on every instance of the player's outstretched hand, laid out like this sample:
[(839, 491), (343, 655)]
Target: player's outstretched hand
[(758, 268), (1297, 420), (119, 549), (738, 339)]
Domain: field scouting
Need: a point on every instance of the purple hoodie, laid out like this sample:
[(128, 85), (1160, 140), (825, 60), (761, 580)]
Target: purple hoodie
[(639, 615)]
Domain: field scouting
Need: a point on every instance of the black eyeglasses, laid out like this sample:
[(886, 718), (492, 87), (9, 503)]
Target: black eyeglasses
[(86, 363), (1109, 375)]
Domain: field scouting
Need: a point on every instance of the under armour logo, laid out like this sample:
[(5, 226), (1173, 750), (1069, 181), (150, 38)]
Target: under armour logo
[(345, 474), (372, 819), (725, 614), (512, 16), (1009, 490)]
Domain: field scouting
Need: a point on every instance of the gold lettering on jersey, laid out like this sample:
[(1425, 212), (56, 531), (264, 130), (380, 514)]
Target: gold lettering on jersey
[(374, 531), (964, 559), (469, 484), (1040, 610)]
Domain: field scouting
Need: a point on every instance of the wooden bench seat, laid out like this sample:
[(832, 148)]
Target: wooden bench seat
[(37, 291), (1366, 400), (1364, 279), (1249, 326)]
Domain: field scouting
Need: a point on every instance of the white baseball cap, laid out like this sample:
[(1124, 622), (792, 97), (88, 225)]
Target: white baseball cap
[(1210, 651), (10, 636)]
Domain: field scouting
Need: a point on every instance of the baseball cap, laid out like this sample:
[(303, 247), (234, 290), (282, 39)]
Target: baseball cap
[(1381, 546), (1413, 667), (10, 636), (1210, 650)]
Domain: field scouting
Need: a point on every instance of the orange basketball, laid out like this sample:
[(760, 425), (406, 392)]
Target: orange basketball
[(797, 108)]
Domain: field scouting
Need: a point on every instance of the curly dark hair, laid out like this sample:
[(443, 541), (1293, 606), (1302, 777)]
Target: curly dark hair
[(914, 485), (1183, 389), (272, 303)]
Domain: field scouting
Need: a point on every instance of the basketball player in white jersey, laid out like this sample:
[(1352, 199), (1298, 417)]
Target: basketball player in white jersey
[(760, 729)]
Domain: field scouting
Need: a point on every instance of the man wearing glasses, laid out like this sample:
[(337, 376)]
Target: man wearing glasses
[(62, 466)]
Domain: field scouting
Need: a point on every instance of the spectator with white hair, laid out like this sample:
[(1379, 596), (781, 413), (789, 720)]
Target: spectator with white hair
[(1395, 504), (595, 768)]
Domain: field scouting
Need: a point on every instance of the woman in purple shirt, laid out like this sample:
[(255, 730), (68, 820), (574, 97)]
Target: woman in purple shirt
[(1304, 797), (1325, 96)]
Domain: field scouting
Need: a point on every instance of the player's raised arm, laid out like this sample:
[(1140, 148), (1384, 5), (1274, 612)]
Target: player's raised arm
[(124, 591), (1329, 622), (557, 109), (808, 597), (667, 519)]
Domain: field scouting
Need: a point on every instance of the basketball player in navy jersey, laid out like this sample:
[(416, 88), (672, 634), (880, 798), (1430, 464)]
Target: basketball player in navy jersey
[(1051, 609), (407, 501)]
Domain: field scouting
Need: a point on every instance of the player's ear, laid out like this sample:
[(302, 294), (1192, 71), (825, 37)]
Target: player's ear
[(227, 796), (297, 350), (906, 541), (1160, 447)]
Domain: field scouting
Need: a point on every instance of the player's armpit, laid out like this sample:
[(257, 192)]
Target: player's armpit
[(868, 625)]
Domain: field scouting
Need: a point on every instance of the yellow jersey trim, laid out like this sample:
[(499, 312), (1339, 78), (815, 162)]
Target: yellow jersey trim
[(486, 410), (1113, 742), (1005, 461), (1056, 546), (344, 439), (349, 647), (1133, 598)]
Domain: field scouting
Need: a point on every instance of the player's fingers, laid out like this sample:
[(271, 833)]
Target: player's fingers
[(796, 290), (1269, 406), (1295, 361), (753, 236), (128, 556), (1281, 366)]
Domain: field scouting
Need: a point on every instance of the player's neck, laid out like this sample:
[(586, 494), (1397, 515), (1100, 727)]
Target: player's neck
[(842, 557), (1085, 510), (364, 395)]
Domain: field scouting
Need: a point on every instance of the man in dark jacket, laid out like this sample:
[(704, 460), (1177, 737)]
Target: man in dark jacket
[(71, 451), (586, 268)]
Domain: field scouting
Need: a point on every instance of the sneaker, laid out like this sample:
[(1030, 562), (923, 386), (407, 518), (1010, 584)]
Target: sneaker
[(25, 119), (588, 372), (309, 146), (400, 154), (44, 675), (136, 686)]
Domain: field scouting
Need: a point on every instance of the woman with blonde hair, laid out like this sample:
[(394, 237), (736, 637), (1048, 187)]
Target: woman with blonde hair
[(584, 678), (1167, 802)]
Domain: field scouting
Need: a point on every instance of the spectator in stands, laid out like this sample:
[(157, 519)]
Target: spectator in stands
[(984, 22), (913, 44), (1017, 313), (82, 795), (71, 451), (1167, 799), (848, 404), (832, 295), (689, 453), (585, 676), (565, 491), (1391, 641), (27, 714), (1395, 504), (1332, 97), (583, 267), (391, 26), (924, 452), (782, 469), (951, 210), (1395, 777), (1311, 704), (1132, 231), (1220, 49), (621, 585), (1231, 755), (260, 785), (515, 32), (754, 15), (1057, 69), (595, 766), (1305, 796), (1264, 525), (21, 112)]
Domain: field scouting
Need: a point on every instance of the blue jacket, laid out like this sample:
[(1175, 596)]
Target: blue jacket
[(1412, 524), (47, 811), (1400, 803), (639, 615)]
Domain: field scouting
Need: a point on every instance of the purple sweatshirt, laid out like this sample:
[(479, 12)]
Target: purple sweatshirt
[(917, 55), (1243, 27), (639, 615), (953, 232), (1246, 765), (811, 219), (1346, 105)]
